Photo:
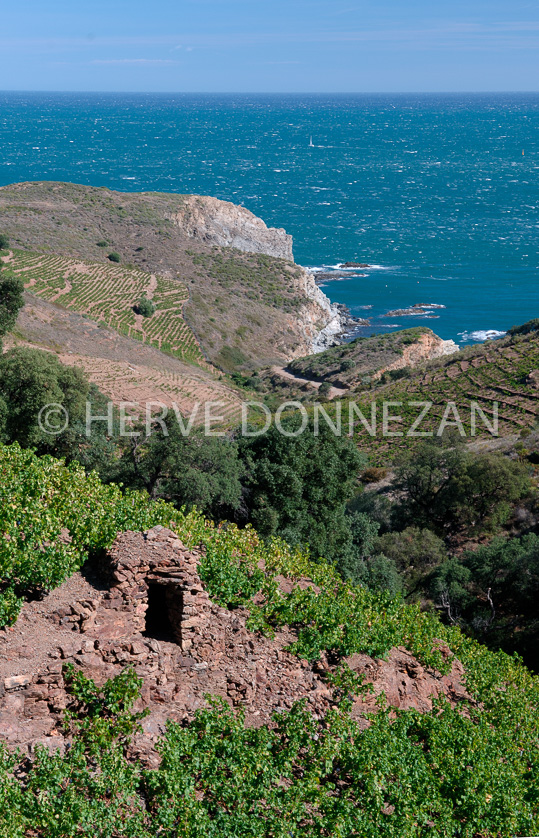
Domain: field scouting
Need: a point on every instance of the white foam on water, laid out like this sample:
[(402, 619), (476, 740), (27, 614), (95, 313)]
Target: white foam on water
[(367, 267), (481, 335)]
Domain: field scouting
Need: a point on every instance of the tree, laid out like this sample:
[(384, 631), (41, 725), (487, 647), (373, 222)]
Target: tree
[(504, 577), (297, 487), (382, 575), (188, 470), (4, 241), (413, 547), (11, 301), (449, 589), (377, 506), (454, 491), (45, 407), (145, 307), (362, 545)]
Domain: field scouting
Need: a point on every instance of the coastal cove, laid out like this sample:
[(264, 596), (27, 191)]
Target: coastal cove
[(437, 191)]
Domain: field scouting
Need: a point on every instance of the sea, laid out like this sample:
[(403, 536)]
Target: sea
[(438, 194)]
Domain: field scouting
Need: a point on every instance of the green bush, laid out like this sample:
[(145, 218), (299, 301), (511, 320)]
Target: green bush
[(453, 490), (525, 329), (325, 388), (4, 242), (114, 257), (145, 307)]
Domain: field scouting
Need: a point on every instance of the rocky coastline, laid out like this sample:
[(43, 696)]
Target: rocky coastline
[(324, 276)]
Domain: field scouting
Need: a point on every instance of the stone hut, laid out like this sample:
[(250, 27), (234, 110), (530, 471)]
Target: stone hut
[(155, 583)]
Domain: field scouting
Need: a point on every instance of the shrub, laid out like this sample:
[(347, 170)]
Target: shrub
[(374, 474), (102, 243), (114, 257), (4, 242), (413, 548), (526, 328), (297, 487), (452, 490), (325, 388), (145, 307)]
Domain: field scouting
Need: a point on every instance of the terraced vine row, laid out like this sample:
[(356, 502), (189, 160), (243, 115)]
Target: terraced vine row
[(108, 294), (497, 373)]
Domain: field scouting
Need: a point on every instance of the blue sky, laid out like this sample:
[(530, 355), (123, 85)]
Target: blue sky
[(270, 45)]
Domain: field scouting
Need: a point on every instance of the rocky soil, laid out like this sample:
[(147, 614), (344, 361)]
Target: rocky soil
[(427, 347), (149, 610)]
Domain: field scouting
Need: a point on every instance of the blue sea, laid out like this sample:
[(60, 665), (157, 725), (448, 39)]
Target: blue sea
[(438, 193)]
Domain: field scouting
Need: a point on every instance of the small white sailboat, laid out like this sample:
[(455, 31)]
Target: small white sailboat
[(311, 144)]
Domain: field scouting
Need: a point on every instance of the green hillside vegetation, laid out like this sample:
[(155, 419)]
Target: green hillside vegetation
[(238, 300), (468, 770), (111, 294), (354, 363), (307, 490), (260, 277), (11, 301)]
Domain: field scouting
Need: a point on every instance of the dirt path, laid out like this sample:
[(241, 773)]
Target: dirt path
[(335, 391)]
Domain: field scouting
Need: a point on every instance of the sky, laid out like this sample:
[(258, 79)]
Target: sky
[(267, 46)]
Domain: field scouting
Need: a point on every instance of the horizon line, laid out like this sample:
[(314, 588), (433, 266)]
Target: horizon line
[(279, 92)]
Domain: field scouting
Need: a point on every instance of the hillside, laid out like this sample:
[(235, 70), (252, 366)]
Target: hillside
[(502, 372), (243, 298), (385, 723), (367, 358), (109, 294), (123, 368)]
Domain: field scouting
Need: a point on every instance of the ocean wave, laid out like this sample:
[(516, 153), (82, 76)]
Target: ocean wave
[(340, 267), (365, 267), (481, 335)]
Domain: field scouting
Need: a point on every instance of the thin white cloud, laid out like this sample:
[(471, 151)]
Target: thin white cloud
[(133, 61)]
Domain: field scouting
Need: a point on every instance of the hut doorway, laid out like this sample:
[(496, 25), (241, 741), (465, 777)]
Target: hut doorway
[(164, 612)]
